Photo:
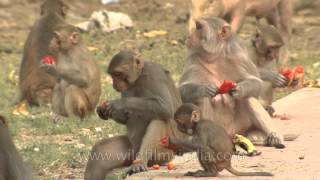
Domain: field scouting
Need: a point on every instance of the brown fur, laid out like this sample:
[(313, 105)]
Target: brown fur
[(277, 13), (12, 166), (212, 143), (78, 87), (263, 50), (215, 55), (35, 85), (149, 99)]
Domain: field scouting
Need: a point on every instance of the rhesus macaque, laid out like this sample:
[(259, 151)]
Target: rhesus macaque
[(148, 101), (215, 55), (264, 50), (77, 75), (12, 166), (36, 85), (213, 144), (276, 12)]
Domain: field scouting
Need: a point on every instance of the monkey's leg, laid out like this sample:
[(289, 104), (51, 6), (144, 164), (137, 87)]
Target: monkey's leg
[(58, 106), (263, 122), (151, 150), (107, 155), (76, 102)]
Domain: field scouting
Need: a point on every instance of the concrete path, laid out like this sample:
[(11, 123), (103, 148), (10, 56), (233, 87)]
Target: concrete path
[(299, 161)]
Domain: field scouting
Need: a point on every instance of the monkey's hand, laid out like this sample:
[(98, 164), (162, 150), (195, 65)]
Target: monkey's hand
[(49, 68), (137, 167), (211, 90), (102, 111), (278, 80), (116, 110), (238, 92)]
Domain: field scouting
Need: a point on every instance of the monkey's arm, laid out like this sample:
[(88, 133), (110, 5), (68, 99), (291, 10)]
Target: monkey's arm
[(277, 79), (192, 92), (187, 145), (74, 76), (250, 86), (150, 108)]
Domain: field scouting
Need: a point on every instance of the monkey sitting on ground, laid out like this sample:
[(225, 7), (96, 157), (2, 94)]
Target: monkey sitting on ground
[(213, 144), (264, 50), (35, 84), (216, 55), (12, 166), (78, 87), (148, 101)]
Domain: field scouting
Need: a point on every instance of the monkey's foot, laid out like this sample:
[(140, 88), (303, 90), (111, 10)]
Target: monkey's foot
[(137, 168), (270, 110), (275, 139), (201, 173), (57, 118)]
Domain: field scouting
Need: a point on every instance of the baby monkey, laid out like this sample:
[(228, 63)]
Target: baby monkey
[(213, 144)]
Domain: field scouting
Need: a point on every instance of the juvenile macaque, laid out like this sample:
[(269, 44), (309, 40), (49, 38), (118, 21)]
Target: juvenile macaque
[(148, 101), (77, 75), (216, 55), (276, 12), (36, 85), (264, 50), (12, 166), (213, 144)]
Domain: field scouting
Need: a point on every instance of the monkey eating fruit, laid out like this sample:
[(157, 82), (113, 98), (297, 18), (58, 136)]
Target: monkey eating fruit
[(213, 144)]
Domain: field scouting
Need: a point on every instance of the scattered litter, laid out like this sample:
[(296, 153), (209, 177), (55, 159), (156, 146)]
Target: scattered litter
[(105, 2), (110, 135), (171, 166), (21, 110), (98, 129), (79, 146), (93, 49), (85, 130), (36, 149), (155, 167), (155, 33), (107, 21)]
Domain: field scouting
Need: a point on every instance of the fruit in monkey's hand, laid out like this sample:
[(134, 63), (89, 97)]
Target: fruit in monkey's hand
[(226, 87), (102, 110), (48, 60), (297, 73), (165, 142)]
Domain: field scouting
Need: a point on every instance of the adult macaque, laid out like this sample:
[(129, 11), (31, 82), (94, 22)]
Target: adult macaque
[(148, 101), (216, 55), (77, 75), (12, 166), (35, 85), (276, 12), (213, 144), (264, 50)]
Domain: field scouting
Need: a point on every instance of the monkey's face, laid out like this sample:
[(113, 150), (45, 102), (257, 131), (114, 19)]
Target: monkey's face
[(120, 81), (63, 41), (272, 52), (185, 124)]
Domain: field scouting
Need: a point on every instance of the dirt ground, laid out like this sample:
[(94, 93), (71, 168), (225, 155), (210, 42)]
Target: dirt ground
[(54, 150)]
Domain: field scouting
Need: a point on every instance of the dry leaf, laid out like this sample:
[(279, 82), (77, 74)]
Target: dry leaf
[(155, 33)]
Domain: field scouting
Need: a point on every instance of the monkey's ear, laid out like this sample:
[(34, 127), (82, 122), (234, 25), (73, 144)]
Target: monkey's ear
[(138, 62), (225, 32), (57, 35), (42, 8), (195, 116), (75, 38)]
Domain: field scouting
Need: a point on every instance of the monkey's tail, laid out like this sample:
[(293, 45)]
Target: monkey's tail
[(239, 173)]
